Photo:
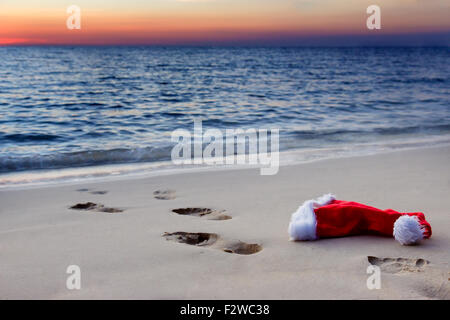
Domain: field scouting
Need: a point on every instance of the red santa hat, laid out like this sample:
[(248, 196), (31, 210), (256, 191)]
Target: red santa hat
[(327, 217)]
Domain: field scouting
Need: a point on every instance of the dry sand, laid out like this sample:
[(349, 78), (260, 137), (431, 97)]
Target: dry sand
[(124, 254)]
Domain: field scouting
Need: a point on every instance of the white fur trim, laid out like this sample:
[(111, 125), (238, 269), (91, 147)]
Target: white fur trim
[(407, 230), (303, 221)]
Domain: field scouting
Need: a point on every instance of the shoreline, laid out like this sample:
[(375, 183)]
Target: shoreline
[(127, 254), (142, 170)]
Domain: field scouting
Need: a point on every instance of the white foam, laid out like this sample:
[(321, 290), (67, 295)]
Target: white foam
[(25, 179)]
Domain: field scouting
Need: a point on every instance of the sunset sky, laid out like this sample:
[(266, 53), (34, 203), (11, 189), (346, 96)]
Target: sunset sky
[(290, 22)]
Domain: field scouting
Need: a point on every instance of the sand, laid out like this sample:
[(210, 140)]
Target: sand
[(126, 243)]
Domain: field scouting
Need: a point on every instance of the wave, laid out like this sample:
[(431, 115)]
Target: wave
[(32, 137), (114, 171), (415, 80), (84, 158), (317, 134), (289, 139)]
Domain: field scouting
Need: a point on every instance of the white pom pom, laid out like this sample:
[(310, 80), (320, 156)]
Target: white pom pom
[(407, 230)]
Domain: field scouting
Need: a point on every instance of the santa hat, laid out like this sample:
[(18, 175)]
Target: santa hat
[(327, 217)]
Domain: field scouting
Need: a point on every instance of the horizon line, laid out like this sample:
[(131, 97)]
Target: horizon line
[(399, 39)]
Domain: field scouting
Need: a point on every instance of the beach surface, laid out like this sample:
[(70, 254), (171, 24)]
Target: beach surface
[(125, 255)]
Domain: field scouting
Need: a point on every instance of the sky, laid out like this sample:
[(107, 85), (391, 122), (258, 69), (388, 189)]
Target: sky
[(225, 22)]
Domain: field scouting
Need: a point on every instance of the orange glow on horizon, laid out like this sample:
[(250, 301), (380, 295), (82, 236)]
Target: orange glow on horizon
[(133, 26)]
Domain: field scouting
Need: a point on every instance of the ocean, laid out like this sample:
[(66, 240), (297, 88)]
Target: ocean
[(71, 112)]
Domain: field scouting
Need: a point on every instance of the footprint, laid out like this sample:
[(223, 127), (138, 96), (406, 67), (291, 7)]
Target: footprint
[(92, 192), (164, 194), (195, 239), (200, 212), (240, 247), (99, 192), (396, 265), (90, 206), (84, 206), (212, 239)]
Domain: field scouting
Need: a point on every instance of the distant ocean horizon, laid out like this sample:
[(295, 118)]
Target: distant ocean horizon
[(87, 107)]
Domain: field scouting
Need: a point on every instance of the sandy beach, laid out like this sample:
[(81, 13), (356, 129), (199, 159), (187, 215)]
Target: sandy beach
[(124, 255)]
